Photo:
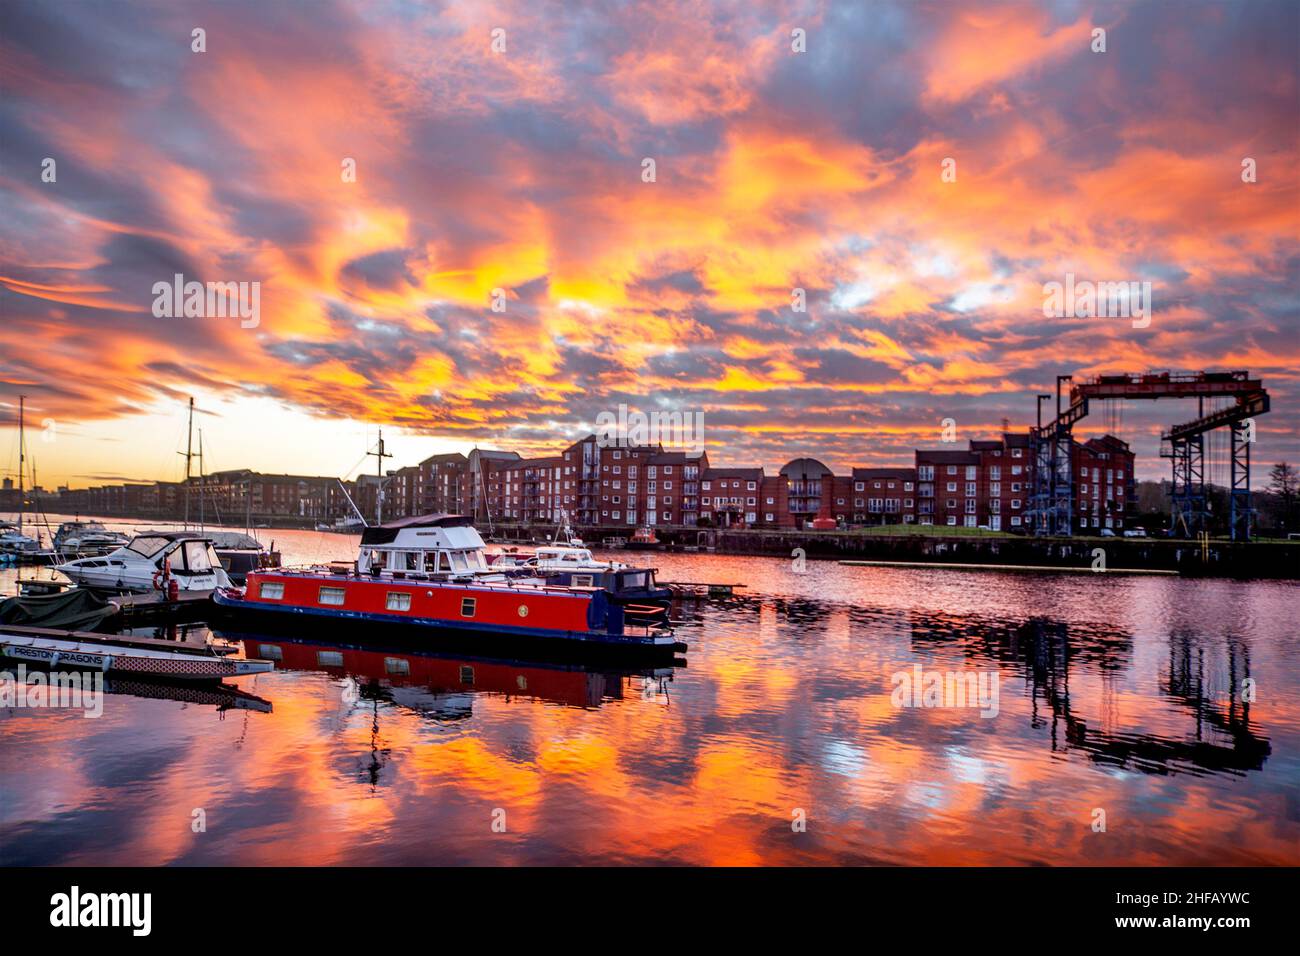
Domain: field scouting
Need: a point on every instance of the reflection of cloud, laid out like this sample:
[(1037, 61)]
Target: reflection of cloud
[(521, 172)]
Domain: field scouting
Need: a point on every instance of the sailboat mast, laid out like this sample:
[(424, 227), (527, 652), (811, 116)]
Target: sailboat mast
[(201, 481), (189, 455), (22, 493)]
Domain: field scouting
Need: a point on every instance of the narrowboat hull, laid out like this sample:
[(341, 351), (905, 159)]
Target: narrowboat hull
[(434, 614)]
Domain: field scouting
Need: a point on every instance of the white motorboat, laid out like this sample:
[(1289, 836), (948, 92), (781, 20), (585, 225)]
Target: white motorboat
[(87, 538), (145, 564), (566, 558), (13, 541), (19, 548), (348, 525)]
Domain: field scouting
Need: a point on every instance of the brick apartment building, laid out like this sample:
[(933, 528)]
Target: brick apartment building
[(1105, 489), (988, 484)]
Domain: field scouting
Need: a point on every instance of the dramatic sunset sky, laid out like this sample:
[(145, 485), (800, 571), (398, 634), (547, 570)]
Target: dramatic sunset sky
[(522, 170)]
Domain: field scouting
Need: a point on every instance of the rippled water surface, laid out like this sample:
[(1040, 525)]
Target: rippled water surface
[(1126, 695)]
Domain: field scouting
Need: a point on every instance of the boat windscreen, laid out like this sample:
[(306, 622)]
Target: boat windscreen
[(148, 545)]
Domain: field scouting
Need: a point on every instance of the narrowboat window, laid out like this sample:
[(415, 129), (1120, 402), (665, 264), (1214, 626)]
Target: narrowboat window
[(397, 665), (467, 607), (477, 560), (458, 562), (412, 560), (466, 674), (270, 652), (399, 601), (430, 562), (331, 596), (329, 658), (271, 590), (582, 580)]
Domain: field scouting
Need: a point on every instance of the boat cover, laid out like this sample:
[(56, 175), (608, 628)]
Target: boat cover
[(71, 610), (233, 541), (388, 531)]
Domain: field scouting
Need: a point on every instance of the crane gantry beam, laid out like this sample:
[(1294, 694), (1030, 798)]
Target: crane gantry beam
[(1053, 486)]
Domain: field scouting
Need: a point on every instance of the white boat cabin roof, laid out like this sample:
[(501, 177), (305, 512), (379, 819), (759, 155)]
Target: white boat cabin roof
[(566, 555), (439, 532)]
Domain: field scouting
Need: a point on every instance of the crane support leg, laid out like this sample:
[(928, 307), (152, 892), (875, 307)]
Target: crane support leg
[(1239, 503)]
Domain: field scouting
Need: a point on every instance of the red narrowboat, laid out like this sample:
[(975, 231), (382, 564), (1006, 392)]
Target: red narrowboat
[(427, 578), (487, 612)]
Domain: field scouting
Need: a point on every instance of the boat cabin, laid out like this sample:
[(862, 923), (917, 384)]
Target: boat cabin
[(427, 545), (186, 553)]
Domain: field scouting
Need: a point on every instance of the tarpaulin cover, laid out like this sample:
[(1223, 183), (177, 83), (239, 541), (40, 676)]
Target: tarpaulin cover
[(72, 610)]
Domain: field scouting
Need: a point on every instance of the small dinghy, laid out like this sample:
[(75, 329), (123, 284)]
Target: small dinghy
[(135, 656)]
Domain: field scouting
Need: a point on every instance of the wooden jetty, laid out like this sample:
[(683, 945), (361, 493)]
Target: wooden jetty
[(154, 607)]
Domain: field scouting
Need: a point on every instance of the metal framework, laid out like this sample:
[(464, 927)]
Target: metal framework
[(1183, 444), (1188, 508)]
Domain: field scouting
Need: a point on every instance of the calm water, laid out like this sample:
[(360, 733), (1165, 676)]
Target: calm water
[(1115, 693)]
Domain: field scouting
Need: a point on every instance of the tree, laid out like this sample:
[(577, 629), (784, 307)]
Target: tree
[(1284, 482)]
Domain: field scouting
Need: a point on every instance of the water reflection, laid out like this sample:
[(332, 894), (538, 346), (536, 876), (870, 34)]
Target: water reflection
[(440, 687), (224, 696), (1125, 694), (1219, 734)]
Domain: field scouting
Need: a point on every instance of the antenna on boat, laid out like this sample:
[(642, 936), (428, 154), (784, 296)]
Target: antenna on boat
[(380, 455)]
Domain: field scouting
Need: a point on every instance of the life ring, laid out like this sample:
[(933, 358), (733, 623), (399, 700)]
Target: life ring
[(159, 579)]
